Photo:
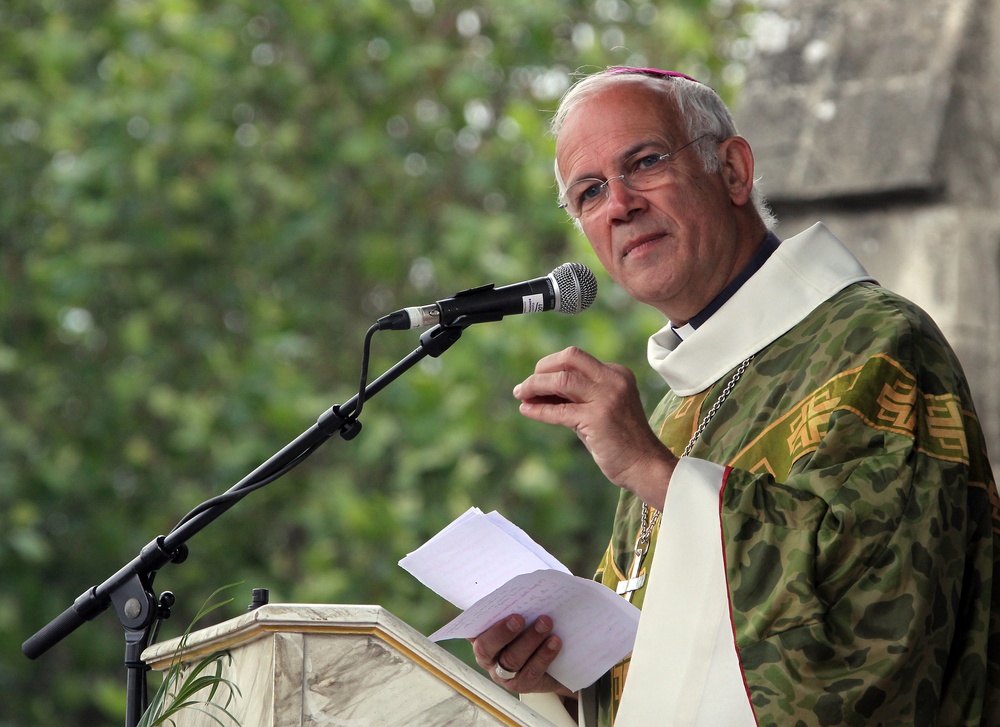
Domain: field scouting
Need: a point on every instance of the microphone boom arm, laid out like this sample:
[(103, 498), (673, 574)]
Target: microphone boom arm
[(130, 589)]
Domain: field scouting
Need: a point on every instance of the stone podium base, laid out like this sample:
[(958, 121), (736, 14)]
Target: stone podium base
[(305, 665)]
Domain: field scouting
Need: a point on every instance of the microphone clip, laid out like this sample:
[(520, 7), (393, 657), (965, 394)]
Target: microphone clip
[(334, 422)]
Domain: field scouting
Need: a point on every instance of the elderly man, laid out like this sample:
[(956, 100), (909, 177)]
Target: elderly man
[(814, 485)]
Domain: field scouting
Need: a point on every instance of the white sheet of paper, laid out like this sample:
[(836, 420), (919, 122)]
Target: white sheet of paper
[(474, 555), (518, 535), (491, 569), (597, 626)]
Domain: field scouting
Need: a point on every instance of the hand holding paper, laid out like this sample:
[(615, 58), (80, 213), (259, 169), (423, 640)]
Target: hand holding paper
[(491, 568)]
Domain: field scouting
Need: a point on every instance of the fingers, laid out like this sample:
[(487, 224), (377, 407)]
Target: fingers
[(525, 653), (571, 376), (518, 658), (600, 402), (491, 642)]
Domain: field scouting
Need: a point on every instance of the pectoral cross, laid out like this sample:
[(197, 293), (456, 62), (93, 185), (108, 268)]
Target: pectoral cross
[(636, 577)]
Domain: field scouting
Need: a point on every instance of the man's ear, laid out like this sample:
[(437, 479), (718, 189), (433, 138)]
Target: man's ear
[(737, 168)]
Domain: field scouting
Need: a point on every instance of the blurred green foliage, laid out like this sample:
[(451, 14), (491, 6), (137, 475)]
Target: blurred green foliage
[(203, 205)]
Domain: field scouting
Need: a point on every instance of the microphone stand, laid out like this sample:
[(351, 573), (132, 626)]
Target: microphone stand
[(130, 589)]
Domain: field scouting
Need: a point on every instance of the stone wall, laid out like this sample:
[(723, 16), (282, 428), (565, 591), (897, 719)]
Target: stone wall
[(882, 119)]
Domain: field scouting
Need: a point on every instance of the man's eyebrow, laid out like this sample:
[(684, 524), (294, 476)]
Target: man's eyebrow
[(656, 143)]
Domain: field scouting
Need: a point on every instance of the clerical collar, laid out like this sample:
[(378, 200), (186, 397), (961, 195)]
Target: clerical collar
[(769, 245)]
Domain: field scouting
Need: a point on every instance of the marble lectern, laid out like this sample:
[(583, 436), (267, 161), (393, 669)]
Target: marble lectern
[(304, 665)]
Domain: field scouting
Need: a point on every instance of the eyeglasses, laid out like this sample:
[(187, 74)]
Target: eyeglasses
[(642, 174)]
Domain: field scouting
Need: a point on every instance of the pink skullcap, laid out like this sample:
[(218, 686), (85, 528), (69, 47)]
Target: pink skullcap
[(650, 72)]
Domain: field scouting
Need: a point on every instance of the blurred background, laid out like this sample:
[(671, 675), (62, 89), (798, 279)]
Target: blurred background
[(203, 206)]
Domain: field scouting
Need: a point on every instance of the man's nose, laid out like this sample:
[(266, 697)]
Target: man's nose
[(623, 201)]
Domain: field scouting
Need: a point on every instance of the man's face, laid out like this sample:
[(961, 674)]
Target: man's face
[(674, 247)]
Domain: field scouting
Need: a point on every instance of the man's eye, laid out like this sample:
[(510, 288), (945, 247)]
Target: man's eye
[(648, 162), (590, 192)]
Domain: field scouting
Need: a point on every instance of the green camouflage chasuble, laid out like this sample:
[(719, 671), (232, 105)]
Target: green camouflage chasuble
[(860, 520)]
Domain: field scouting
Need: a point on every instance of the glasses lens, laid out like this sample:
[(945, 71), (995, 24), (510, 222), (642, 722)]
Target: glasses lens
[(584, 196), (648, 172)]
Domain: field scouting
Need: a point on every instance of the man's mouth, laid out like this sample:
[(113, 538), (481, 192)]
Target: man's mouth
[(639, 244)]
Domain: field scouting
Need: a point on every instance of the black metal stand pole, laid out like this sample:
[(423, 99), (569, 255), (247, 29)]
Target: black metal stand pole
[(130, 589)]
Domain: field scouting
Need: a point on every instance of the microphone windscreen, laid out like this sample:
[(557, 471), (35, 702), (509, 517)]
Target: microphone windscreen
[(576, 287)]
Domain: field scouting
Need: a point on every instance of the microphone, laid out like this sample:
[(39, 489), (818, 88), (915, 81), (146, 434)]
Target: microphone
[(570, 288)]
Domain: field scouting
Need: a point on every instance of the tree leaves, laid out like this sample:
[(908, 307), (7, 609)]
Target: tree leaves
[(203, 207)]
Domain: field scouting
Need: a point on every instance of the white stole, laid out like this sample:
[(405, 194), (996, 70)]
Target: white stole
[(685, 670)]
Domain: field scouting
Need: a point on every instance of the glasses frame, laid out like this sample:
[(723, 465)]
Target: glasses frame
[(604, 184)]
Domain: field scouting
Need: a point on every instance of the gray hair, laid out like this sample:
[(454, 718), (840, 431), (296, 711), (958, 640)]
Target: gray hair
[(703, 111)]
